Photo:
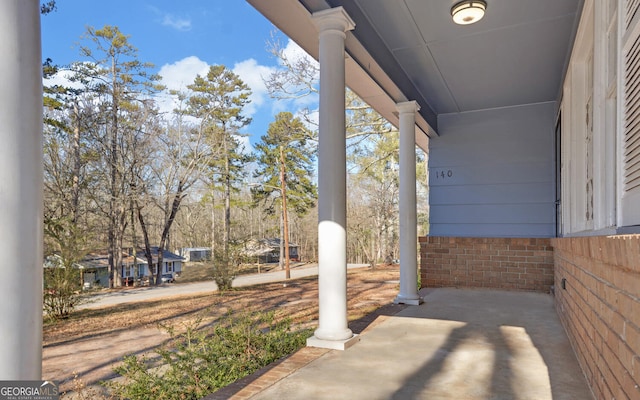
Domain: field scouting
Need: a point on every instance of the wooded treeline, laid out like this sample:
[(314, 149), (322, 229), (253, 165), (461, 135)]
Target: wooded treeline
[(120, 174)]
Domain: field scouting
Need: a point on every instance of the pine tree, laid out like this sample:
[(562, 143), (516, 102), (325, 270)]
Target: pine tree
[(286, 162), (218, 100), (119, 80)]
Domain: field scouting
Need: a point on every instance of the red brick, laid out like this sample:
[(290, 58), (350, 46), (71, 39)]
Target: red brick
[(636, 368), (630, 387), (632, 338), (626, 356), (631, 283), (630, 309), (599, 302)]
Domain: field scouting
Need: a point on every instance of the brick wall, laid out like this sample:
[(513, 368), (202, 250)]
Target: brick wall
[(499, 263), (600, 309)]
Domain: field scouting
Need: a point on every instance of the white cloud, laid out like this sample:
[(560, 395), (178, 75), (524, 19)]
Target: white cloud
[(177, 76), (181, 73), (245, 144), (295, 53), (180, 24), (310, 120), (62, 78), (253, 75)]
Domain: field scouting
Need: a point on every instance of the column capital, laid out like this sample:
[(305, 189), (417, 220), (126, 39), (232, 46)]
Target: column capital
[(408, 107), (333, 19)]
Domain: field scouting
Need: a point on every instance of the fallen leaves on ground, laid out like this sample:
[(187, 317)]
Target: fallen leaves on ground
[(367, 290)]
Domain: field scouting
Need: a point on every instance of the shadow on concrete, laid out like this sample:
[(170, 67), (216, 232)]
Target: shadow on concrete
[(370, 320), (469, 358), (460, 344), (357, 326), (511, 346)]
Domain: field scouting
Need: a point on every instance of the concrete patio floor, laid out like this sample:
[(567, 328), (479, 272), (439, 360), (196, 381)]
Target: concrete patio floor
[(460, 344)]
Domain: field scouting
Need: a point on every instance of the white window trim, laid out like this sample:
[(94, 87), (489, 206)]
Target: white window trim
[(625, 40), (608, 134), (603, 139), (620, 112), (575, 94)]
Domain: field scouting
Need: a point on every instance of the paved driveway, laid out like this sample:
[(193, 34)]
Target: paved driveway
[(157, 292)]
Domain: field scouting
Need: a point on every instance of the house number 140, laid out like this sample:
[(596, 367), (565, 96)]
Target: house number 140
[(442, 174)]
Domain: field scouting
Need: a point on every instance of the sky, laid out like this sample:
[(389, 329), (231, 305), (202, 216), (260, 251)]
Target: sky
[(182, 39)]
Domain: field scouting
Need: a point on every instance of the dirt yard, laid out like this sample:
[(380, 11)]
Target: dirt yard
[(90, 343)]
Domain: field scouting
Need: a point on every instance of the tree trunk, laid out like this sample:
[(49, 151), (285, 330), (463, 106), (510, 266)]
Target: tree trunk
[(147, 245), (75, 200), (281, 241), (120, 228), (160, 257), (175, 206), (114, 257), (285, 219), (227, 203), (213, 223), (134, 243)]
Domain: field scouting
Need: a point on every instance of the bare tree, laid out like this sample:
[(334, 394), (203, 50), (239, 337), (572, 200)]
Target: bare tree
[(69, 178), (172, 167)]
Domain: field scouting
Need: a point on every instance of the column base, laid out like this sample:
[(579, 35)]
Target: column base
[(333, 344), (411, 302)]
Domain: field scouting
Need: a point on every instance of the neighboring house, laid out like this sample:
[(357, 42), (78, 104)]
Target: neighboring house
[(195, 254), (54, 261), (531, 121), (267, 250), (95, 267), (171, 262), (132, 269)]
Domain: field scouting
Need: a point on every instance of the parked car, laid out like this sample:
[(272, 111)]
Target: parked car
[(167, 278)]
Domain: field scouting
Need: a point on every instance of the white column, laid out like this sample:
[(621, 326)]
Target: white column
[(407, 205), (333, 330), (20, 190)]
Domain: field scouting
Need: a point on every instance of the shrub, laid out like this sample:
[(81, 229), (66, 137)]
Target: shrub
[(62, 279), (224, 271), (201, 361), (226, 267), (62, 290)]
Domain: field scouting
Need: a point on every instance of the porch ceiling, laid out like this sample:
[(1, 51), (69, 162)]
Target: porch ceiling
[(411, 50)]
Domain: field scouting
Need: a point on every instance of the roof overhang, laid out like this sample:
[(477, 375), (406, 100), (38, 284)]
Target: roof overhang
[(406, 50), (363, 75)]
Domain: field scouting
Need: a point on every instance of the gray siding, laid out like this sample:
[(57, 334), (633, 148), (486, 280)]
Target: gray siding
[(491, 173)]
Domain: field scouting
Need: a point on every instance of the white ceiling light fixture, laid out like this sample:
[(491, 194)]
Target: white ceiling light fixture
[(468, 12)]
